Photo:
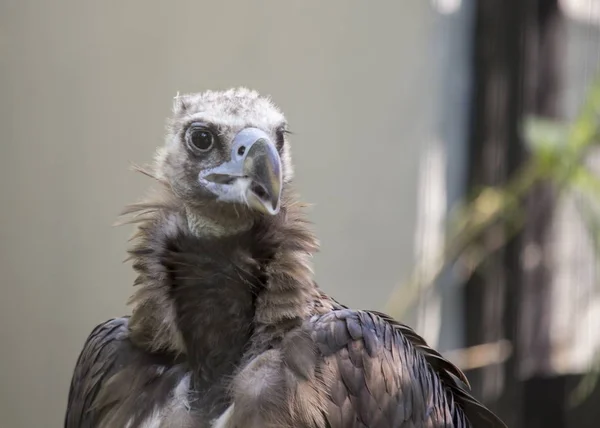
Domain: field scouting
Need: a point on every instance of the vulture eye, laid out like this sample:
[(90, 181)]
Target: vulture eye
[(280, 134), (200, 138)]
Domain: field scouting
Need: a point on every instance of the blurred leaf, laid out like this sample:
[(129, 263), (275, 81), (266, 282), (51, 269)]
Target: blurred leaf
[(585, 129), (544, 135), (488, 204), (584, 388), (584, 180)]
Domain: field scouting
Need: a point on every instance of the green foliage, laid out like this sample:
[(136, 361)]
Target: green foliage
[(558, 153)]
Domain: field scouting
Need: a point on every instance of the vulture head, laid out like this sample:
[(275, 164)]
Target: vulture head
[(226, 158)]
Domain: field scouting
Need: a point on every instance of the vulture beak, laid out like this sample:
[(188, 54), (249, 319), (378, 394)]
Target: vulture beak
[(252, 176)]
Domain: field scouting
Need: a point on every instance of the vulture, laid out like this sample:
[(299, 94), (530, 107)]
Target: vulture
[(228, 327)]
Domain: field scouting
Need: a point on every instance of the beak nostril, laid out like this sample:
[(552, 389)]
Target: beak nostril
[(221, 178), (241, 150), (259, 191)]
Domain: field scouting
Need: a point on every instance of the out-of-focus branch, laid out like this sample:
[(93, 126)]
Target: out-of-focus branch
[(557, 154), (479, 356)]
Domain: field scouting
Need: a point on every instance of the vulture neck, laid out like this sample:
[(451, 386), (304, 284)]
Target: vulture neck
[(223, 223), (216, 298)]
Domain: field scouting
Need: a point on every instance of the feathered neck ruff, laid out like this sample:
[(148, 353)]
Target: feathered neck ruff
[(265, 271)]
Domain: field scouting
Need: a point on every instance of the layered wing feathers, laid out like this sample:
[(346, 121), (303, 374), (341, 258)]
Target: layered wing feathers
[(383, 375), (102, 356)]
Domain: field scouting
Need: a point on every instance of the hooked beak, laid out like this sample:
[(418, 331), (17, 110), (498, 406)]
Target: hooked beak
[(252, 176)]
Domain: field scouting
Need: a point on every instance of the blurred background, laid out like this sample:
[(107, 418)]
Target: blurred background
[(481, 227)]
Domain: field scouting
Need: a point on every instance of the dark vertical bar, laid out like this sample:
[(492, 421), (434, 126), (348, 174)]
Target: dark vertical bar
[(544, 397), (496, 151), (516, 63)]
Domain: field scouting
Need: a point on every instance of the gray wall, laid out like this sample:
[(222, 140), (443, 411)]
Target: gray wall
[(85, 88)]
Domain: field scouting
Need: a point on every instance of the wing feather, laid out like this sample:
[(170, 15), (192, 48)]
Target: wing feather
[(98, 360), (384, 375)]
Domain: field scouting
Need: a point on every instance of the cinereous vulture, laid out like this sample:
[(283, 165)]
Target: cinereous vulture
[(229, 328)]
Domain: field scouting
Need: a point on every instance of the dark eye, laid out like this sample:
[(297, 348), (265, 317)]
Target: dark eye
[(200, 139), (280, 134)]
